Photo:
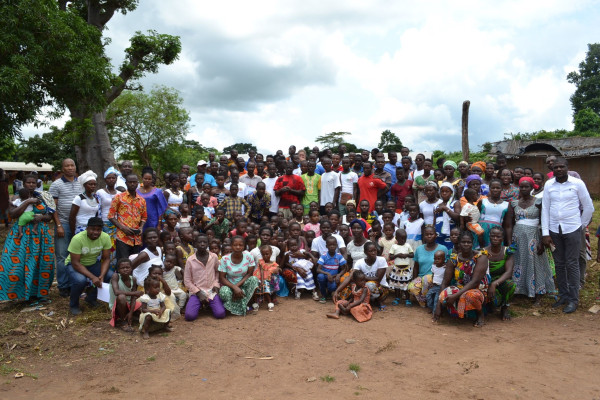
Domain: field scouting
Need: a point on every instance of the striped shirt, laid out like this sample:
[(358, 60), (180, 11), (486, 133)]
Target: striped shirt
[(64, 192), (331, 262)]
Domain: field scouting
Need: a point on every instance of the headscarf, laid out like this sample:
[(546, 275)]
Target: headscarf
[(87, 176), (463, 162), (530, 180), (353, 202), (431, 183), (111, 170), (472, 178), (363, 225), (450, 163), (479, 164), (445, 216)]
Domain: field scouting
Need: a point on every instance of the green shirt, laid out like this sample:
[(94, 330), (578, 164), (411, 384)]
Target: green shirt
[(89, 249)]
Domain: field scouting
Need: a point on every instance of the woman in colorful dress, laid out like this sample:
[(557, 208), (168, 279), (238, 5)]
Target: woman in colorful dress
[(355, 252), (28, 261), (532, 272), (449, 169), (105, 197), (236, 279), (156, 204), (493, 212), (447, 215), (502, 288), (510, 191), (478, 168), (465, 287)]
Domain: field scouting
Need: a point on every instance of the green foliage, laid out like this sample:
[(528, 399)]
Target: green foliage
[(51, 147), (587, 120), (241, 148), (389, 142), (144, 124), (328, 378), (8, 148), (48, 59), (333, 139), (587, 82), (457, 156), (171, 157)]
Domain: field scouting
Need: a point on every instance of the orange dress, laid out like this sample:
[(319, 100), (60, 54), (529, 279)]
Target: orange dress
[(362, 312)]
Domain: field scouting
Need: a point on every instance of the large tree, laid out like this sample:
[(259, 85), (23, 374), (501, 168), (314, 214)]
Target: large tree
[(587, 82), (143, 124), (389, 141), (241, 148), (69, 67), (332, 139)]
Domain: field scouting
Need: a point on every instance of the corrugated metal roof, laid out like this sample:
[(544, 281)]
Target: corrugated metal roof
[(21, 166)]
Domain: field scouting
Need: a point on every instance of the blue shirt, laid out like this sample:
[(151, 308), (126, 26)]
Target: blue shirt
[(391, 169), (319, 169), (331, 262), (425, 258), (208, 178)]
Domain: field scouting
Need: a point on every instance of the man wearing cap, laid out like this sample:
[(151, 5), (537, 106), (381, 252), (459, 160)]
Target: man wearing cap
[(208, 178), (83, 264)]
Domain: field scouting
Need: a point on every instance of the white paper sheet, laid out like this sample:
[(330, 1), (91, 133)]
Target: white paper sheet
[(103, 292)]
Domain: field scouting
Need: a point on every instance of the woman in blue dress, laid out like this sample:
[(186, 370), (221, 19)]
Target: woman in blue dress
[(156, 204)]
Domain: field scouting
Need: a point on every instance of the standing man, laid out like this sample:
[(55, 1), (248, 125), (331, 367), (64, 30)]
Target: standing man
[(567, 208), (349, 184), (125, 169), (312, 185), (128, 213), (369, 186), (330, 186), (380, 173), (270, 182), (233, 155), (64, 191), (208, 178), (251, 180), (290, 189), (391, 165)]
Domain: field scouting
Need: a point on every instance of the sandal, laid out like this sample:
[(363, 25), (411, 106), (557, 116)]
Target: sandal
[(397, 301), (270, 306), (408, 303)]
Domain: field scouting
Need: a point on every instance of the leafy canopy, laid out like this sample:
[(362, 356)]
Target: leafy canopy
[(241, 148), (332, 139), (389, 142), (587, 82)]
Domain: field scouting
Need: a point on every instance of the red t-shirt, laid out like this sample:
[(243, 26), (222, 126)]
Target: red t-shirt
[(369, 186), (400, 192), (294, 182)]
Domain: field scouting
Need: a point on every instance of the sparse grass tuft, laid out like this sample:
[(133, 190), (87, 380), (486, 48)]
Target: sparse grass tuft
[(328, 378)]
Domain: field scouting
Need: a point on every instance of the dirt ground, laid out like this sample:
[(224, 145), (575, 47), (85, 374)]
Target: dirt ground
[(398, 353)]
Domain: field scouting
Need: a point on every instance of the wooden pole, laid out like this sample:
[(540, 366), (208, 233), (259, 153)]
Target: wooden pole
[(465, 130)]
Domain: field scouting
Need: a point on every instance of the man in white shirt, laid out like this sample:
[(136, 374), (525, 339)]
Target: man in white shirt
[(567, 208), (270, 184), (330, 186), (349, 185)]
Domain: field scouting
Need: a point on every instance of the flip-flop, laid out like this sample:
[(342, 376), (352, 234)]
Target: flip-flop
[(382, 307), (397, 301)]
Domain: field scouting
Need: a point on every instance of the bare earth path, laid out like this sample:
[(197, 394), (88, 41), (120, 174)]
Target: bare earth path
[(400, 353)]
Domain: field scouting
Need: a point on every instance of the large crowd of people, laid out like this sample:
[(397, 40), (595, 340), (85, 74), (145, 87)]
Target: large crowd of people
[(357, 232)]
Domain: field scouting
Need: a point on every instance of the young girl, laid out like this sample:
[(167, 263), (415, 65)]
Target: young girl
[(314, 224), (173, 195), (267, 274), (173, 276), (155, 314), (359, 308), (386, 242), (215, 247), (206, 203), (300, 263), (186, 249), (220, 192), (170, 225), (169, 248), (413, 227), (401, 272), (185, 219), (123, 296), (294, 232), (156, 273)]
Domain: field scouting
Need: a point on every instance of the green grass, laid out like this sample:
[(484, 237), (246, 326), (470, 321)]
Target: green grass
[(354, 367), (328, 378), (151, 358)]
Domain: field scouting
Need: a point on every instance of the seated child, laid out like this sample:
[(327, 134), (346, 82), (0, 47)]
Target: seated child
[(401, 272), (438, 269), (173, 276), (154, 315), (328, 269), (219, 224), (267, 273), (472, 209), (156, 273), (359, 307), (301, 263), (28, 214), (123, 296)]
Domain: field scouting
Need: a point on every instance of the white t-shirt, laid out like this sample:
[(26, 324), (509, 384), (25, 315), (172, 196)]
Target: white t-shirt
[(370, 271), (242, 189), (255, 253), (140, 273), (401, 249), (17, 202), (428, 209), (270, 184), (88, 208), (105, 200), (438, 274), (329, 182), (153, 304), (320, 246), (348, 180)]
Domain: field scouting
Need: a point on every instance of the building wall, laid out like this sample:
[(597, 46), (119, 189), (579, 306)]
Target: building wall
[(587, 167)]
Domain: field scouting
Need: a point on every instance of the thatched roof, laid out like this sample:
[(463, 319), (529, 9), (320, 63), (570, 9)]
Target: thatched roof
[(573, 147)]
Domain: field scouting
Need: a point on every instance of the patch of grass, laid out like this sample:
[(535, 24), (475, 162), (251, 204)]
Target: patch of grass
[(180, 342), (354, 367), (387, 347), (111, 390), (328, 378), (8, 370), (151, 358)]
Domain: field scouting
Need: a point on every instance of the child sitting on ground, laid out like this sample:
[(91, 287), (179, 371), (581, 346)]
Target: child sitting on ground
[(156, 273), (359, 307), (173, 276), (401, 271), (267, 273), (472, 209), (28, 214), (155, 314), (123, 296), (301, 263), (328, 269), (438, 269)]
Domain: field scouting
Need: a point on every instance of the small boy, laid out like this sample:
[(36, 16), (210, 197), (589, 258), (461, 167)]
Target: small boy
[(438, 270), (219, 224), (173, 276), (328, 269), (234, 203), (209, 210), (123, 296), (472, 209), (28, 214)]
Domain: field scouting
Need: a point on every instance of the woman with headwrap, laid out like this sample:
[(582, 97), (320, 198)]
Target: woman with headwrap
[(463, 169), (156, 204), (85, 205), (478, 168), (427, 207), (472, 182), (447, 215), (532, 272), (449, 171), (105, 197)]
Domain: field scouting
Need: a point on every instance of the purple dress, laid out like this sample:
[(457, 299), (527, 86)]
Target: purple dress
[(156, 204)]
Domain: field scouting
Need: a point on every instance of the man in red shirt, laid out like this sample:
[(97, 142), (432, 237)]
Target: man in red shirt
[(290, 188), (369, 186)]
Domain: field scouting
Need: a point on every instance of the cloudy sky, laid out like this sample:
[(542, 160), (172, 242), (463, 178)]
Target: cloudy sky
[(275, 73)]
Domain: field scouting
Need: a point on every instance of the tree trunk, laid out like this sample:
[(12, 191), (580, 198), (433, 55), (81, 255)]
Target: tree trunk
[(93, 149), (465, 130)]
